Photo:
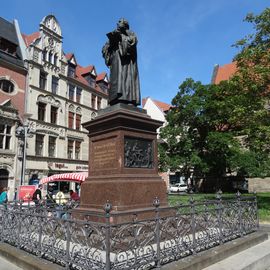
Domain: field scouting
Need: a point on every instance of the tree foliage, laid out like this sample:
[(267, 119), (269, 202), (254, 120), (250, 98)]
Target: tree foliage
[(216, 129)]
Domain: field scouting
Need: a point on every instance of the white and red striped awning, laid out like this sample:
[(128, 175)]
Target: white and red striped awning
[(67, 177)]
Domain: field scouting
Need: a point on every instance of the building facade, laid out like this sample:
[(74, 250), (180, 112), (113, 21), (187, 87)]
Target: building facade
[(13, 77), (61, 96)]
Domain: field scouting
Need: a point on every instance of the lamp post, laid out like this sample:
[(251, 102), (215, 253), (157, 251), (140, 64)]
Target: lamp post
[(22, 132)]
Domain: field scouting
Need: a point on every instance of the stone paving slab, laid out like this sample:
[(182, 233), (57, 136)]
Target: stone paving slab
[(7, 265), (254, 258)]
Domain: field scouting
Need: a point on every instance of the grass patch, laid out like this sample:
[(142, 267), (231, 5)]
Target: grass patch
[(262, 198)]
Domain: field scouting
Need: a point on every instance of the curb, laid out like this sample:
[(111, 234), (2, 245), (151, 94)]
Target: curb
[(218, 253), (26, 260)]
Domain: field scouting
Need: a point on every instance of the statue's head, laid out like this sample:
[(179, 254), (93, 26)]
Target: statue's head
[(122, 24)]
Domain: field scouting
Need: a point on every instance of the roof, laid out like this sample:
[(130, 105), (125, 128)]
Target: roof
[(8, 32), (164, 107), (101, 76), (28, 39), (69, 55), (223, 73)]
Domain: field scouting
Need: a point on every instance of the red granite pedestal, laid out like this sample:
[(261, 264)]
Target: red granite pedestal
[(129, 184)]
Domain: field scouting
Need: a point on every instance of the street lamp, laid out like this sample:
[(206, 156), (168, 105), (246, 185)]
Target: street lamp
[(22, 132)]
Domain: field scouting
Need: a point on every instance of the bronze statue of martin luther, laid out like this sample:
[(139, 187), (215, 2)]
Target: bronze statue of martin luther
[(120, 56)]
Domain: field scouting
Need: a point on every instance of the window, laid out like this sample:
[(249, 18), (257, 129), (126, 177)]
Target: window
[(71, 91), (8, 47), (52, 146), (93, 101), (54, 84), (70, 119), (77, 149), (71, 71), (55, 60), (70, 149), (78, 121), (39, 144), (98, 103), (6, 86), (42, 80), (50, 57), (44, 55), (54, 115), (5, 136), (78, 94), (91, 80), (41, 111)]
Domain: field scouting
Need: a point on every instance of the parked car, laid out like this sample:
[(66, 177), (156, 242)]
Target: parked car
[(178, 188)]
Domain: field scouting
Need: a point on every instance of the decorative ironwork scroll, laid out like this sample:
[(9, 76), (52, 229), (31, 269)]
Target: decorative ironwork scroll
[(138, 153)]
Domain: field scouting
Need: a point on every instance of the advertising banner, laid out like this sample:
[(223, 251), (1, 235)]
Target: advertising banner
[(26, 192)]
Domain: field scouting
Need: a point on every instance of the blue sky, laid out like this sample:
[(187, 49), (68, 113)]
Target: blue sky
[(178, 39)]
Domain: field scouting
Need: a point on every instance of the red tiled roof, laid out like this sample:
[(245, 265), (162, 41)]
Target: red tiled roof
[(28, 39), (101, 76), (224, 73), (68, 55), (85, 70), (161, 105)]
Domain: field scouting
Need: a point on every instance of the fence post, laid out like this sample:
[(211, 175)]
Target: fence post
[(238, 196), (68, 234), (256, 209), (40, 236), (193, 224), (108, 208), (156, 204), (219, 214)]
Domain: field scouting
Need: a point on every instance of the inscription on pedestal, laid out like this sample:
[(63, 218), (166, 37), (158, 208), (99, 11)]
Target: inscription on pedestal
[(138, 153), (104, 155)]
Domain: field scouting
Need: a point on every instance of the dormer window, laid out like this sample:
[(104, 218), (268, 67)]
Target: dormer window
[(8, 47), (91, 80), (71, 70)]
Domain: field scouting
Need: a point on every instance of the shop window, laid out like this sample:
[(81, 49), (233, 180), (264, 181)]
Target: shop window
[(6, 86), (5, 136), (39, 144)]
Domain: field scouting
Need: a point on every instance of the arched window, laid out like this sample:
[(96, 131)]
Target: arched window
[(6, 86)]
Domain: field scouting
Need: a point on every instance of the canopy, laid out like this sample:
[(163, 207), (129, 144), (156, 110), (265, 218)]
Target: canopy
[(67, 177)]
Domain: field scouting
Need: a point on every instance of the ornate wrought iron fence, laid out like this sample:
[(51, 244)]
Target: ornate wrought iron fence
[(134, 240)]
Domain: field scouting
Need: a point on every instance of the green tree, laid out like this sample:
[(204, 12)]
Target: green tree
[(215, 129)]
